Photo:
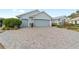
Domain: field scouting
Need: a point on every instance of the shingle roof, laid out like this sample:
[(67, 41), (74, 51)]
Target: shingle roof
[(35, 14)]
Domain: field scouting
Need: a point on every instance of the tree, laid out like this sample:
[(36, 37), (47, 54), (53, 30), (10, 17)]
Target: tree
[(74, 15)]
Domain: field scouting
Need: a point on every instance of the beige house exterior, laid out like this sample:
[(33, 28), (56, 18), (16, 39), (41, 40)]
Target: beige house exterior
[(75, 20)]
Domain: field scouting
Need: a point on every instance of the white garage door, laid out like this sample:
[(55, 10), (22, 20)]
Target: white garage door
[(24, 23), (42, 23)]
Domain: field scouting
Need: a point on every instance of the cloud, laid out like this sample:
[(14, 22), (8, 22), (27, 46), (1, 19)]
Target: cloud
[(14, 10), (18, 11), (21, 11)]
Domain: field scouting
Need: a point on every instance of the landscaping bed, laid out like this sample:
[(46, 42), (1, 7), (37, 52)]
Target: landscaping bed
[(74, 27)]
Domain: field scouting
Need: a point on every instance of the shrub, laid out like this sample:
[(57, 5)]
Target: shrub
[(54, 24), (66, 24), (57, 25), (60, 26), (12, 23)]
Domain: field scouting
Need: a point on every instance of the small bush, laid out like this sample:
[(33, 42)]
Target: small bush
[(66, 24), (60, 26), (54, 24)]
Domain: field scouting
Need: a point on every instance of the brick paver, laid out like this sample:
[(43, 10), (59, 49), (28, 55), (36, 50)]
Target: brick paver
[(40, 38)]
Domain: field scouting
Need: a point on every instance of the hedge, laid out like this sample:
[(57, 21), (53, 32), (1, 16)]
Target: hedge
[(12, 22)]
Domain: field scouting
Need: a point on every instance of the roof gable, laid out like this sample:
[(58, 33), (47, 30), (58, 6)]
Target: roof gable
[(42, 15), (36, 14)]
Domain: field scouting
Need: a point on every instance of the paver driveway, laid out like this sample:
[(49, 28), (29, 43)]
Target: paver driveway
[(30, 38)]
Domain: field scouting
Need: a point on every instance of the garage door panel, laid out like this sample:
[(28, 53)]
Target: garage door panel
[(41, 23)]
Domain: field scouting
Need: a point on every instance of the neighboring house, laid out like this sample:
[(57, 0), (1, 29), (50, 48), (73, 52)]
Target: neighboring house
[(60, 20), (75, 20), (35, 19)]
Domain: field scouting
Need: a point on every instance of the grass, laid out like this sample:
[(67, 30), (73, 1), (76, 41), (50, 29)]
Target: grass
[(74, 27)]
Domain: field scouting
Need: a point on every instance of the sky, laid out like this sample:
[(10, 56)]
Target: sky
[(7, 13)]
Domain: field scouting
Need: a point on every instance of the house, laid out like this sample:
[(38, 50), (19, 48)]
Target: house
[(35, 19), (60, 20), (75, 20)]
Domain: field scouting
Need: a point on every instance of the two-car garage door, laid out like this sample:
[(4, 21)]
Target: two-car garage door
[(37, 23), (41, 23)]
